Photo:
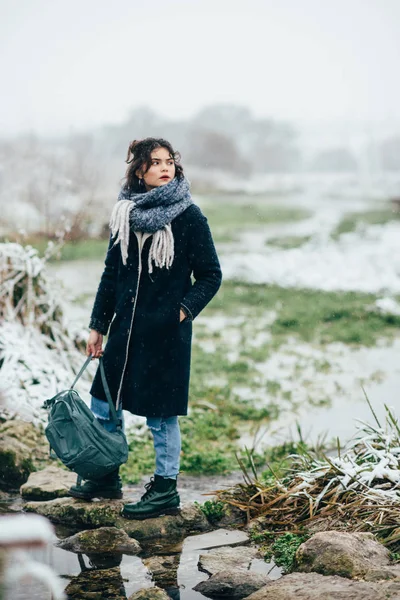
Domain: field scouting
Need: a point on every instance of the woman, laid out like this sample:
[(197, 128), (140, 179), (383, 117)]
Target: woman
[(159, 238)]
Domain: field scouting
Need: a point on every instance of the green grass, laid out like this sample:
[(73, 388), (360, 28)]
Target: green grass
[(284, 549), (227, 219), (281, 548), (214, 510), (310, 315), (89, 249), (226, 214), (209, 442), (288, 242), (350, 221)]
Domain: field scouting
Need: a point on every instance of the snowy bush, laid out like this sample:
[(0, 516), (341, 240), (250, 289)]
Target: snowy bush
[(39, 350)]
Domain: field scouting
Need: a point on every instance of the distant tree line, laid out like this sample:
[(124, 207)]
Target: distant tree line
[(229, 138), (222, 137)]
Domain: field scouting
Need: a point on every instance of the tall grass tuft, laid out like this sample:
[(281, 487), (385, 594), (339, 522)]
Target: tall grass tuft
[(357, 488)]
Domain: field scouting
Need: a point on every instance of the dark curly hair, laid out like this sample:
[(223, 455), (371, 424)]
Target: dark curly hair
[(139, 157)]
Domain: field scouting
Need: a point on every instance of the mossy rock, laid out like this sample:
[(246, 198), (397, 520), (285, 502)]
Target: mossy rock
[(101, 541), (153, 593), (171, 528), (90, 515), (22, 450), (16, 464), (78, 513), (340, 553), (163, 569), (97, 584), (313, 586)]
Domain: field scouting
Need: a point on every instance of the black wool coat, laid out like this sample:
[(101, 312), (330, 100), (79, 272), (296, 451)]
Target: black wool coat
[(147, 355)]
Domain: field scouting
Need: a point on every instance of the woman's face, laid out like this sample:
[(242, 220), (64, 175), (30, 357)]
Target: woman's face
[(161, 171)]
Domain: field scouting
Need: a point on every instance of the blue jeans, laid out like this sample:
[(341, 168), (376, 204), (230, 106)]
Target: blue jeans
[(101, 411), (166, 437)]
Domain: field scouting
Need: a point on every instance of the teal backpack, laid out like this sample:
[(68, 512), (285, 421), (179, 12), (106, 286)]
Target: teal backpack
[(78, 439)]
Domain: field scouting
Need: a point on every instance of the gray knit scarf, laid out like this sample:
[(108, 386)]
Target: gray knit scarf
[(151, 212)]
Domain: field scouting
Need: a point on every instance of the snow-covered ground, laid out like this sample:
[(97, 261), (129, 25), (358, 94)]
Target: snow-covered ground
[(367, 261)]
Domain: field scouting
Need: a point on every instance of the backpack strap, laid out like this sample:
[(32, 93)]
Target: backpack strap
[(113, 412), (84, 367)]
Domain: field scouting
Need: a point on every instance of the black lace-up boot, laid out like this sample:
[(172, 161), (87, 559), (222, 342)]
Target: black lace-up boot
[(160, 498), (109, 487)]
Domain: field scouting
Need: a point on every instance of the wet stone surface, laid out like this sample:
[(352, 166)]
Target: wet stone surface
[(102, 540), (96, 544), (170, 565), (232, 584), (221, 559), (47, 484)]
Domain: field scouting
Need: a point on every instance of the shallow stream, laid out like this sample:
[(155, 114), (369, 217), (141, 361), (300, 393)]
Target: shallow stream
[(178, 572)]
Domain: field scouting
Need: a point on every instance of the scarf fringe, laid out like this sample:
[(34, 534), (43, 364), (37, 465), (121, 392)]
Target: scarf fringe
[(162, 248)]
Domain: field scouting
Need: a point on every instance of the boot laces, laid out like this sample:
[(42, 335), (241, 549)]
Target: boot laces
[(149, 489)]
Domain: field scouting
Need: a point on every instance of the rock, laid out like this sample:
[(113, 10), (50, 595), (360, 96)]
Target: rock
[(227, 558), (313, 586), (232, 584), (340, 553), (23, 449), (47, 484), (78, 513), (102, 541), (233, 517), (97, 584), (18, 441), (163, 569), (216, 539), (88, 515), (153, 593), (390, 572), (171, 528)]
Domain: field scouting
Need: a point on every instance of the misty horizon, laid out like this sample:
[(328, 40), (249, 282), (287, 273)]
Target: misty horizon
[(69, 69)]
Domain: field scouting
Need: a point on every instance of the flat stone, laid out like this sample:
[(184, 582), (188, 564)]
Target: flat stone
[(340, 553), (171, 528), (153, 593), (163, 569), (102, 540), (313, 586), (97, 584), (227, 558), (232, 584), (216, 539), (78, 513), (47, 484), (88, 515)]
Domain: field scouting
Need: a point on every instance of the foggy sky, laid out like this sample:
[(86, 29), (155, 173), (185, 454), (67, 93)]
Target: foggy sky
[(69, 65)]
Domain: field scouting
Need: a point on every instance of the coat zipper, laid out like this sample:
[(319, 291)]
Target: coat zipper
[(141, 238)]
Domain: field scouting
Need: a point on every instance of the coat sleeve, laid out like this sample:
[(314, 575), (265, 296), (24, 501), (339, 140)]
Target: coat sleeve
[(104, 304), (205, 265)]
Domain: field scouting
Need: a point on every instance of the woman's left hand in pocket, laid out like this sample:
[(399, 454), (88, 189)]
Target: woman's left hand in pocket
[(182, 316)]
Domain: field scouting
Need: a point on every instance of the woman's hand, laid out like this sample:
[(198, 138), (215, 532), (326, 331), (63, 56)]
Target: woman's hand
[(182, 316), (94, 344)]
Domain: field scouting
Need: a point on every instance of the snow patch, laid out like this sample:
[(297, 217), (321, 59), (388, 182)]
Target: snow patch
[(367, 262)]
